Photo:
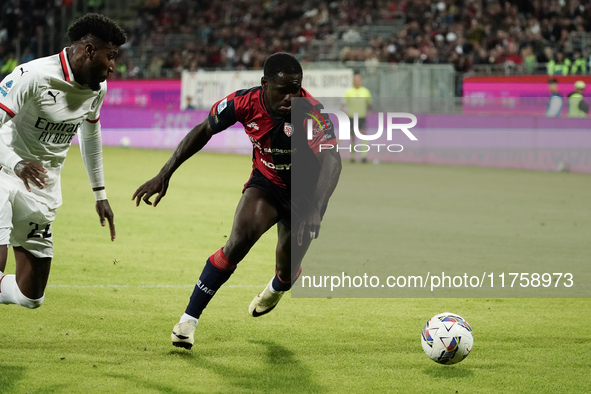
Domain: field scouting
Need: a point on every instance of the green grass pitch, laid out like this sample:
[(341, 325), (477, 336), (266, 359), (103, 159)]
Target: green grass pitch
[(105, 325)]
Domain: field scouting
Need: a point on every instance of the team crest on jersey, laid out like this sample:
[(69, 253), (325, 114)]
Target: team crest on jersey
[(96, 101), (288, 129), (222, 105)]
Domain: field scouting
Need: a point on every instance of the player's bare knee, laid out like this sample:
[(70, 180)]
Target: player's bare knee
[(240, 243)]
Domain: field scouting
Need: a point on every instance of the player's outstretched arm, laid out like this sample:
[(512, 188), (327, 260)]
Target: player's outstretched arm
[(91, 148), (191, 144), (330, 172)]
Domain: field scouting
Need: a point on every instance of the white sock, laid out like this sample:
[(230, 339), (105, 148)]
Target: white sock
[(8, 290), (271, 289), (186, 317), (11, 294)]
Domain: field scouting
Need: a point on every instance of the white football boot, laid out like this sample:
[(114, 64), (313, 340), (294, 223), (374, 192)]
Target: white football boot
[(182, 334), (265, 301)]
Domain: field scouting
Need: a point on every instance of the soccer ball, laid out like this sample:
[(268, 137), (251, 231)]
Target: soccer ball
[(125, 142), (563, 166), (447, 338)]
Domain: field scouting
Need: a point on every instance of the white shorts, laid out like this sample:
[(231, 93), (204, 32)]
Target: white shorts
[(24, 221)]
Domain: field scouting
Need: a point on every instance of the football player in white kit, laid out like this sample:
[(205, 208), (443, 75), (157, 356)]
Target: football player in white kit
[(43, 104)]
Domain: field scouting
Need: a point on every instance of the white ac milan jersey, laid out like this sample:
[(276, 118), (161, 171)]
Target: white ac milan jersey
[(47, 108)]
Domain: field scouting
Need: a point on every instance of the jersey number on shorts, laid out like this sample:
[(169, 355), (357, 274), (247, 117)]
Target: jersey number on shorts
[(44, 234)]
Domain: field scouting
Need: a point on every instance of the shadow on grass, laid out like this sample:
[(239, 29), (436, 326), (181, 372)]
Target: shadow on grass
[(9, 375), (182, 353), (159, 387), (276, 354), (280, 371), (448, 372)]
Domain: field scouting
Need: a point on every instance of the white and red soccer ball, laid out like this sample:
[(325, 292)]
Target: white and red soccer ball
[(447, 338)]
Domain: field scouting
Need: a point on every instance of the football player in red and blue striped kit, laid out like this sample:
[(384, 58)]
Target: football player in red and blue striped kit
[(274, 194)]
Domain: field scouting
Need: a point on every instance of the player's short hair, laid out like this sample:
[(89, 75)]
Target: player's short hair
[(281, 62), (552, 80), (98, 26)]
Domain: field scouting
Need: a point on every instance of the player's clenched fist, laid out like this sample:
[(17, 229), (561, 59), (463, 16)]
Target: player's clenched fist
[(28, 170)]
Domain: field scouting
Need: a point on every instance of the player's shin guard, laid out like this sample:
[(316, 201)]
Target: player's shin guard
[(279, 285), (11, 294), (216, 272)]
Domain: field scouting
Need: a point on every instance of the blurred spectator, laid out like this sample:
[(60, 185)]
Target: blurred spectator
[(512, 56), (579, 66), (189, 105), (545, 56), (559, 65), (529, 59), (155, 67), (9, 63), (239, 34), (27, 55), (172, 35), (3, 33)]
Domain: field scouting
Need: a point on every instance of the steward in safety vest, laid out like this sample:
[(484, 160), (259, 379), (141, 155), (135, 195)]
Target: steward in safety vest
[(577, 107)]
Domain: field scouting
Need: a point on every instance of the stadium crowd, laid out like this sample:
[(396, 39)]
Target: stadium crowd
[(167, 36)]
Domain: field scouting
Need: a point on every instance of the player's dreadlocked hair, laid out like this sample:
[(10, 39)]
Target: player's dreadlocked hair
[(99, 26), (281, 62)]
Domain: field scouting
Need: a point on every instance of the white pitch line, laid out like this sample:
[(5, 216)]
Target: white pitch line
[(140, 286)]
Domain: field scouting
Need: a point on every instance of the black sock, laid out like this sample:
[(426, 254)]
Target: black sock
[(278, 285), (211, 279)]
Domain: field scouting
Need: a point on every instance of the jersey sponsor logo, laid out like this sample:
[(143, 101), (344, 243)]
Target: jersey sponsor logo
[(53, 95), (272, 151), (222, 105), (44, 124), (279, 151), (253, 125), (56, 138), (274, 166), (288, 129)]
